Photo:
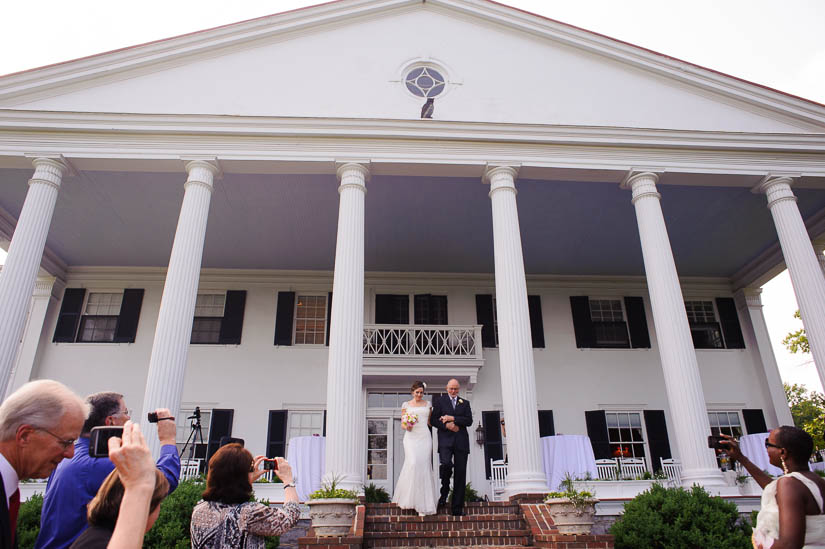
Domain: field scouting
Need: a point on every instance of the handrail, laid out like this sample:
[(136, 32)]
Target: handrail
[(422, 340)]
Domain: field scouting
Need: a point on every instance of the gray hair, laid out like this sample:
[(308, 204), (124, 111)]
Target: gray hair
[(41, 404), (103, 405)]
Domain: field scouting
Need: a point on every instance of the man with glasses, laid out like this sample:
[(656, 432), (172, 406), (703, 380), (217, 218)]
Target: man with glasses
[(76, 481), (38, 425)]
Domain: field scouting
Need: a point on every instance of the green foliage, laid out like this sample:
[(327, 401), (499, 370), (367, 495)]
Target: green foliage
[(470, 495), (28, 520), (330, 490), (579, 498), (797, 342), (375, 494), (808, 410), (664, 518), (172, 527)]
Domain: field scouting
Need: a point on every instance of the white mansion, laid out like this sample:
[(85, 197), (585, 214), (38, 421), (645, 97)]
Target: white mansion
[(261, 220)]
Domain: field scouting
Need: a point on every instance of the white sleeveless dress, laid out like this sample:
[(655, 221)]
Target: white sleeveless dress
[(767, 521), (415, 488)]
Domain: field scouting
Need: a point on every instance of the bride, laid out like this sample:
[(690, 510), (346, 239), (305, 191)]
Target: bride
[(415, 488)]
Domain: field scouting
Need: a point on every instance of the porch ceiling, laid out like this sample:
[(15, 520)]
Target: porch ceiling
[(413, 223)]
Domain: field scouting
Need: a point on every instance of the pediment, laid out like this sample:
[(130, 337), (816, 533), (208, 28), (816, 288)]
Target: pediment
[(345, 60)]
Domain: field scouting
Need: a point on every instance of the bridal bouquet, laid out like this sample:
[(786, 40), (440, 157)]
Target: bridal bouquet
[(408, 419)]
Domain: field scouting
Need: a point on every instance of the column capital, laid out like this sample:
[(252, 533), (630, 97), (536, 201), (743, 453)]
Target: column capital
[(202, 172), (353, 175), (49, 170), (358, 166), (776, 188), (500, 177), (43, 286), (641, 183), (749, 297)]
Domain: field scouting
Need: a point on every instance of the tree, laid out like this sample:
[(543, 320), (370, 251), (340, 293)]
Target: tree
[(797, 342), (808, 411)]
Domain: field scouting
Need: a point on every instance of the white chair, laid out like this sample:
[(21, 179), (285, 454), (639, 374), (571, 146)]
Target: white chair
[(673, 469), (498, 479), (632, 467), (190, 468), (607, 469)]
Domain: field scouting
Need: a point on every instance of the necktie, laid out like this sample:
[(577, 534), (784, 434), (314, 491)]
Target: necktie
[(453, 400), (14, 508)]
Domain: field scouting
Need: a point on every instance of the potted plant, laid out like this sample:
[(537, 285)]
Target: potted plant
[(332, 509), (572, 510)]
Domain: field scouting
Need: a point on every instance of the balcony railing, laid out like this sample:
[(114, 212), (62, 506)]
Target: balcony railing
[(422, 341)]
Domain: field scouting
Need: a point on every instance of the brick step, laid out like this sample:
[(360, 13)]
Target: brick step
[(483, 508), (444, 523), (451, 539)]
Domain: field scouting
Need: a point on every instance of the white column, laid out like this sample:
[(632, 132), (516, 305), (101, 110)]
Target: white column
[(751, 298), (518, 380), (23, 261), (803, 265), (173, 332), (345, 422), (38, 305), (681, 371)]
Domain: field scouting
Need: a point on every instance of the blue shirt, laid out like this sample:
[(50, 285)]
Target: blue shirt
[(75, 482)]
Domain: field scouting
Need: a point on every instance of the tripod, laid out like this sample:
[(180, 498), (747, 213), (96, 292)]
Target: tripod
[(195, 434)]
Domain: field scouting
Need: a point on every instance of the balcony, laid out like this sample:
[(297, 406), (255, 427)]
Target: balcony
[(436, 351)]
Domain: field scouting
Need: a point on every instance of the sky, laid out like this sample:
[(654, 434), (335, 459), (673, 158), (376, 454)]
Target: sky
[(776, 44)]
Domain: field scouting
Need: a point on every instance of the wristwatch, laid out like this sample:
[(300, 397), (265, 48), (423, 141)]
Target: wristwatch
[(290, 485)]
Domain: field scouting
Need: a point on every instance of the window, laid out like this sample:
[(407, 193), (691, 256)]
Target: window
[(391, 399), (625, 434), (609, 327), (100, 315), (219, 318), (304, 424), (725, 423), (424, 82), (704, 328), (310, 319), (185, 432), (377, 440)]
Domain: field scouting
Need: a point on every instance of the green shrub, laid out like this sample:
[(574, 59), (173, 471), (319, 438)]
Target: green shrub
[(470, 495), (28, 521), (375, 494), (330, 490), (676, 518)]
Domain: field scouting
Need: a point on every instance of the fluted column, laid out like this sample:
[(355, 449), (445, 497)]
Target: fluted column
[(32, 331), (751, 299), (173, 332), (345, 422), (803, 265), (518, 379), (23, 261), (681, 370)]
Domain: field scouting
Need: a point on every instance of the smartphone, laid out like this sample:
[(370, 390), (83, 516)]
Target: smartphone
[(714, 442), (270, 465), (99, 440)]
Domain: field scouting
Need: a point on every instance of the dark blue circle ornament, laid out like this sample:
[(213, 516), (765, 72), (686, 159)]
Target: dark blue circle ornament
[(424, 82)]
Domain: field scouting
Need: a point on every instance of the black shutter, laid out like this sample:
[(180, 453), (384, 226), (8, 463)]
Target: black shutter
[(582, 323), (329, 315), (597, 431), (637, 322), (276, 433), (484, 316), (492, 438), (754, 421), (127, 322), (232, 324), (324, 432), (220, 425), (730, 323), (657, 439), (283, 318), (536, 322), (69, 316), (546, 427)]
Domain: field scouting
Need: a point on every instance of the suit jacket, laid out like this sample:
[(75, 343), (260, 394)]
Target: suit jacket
[(459, 441), (5, 523)]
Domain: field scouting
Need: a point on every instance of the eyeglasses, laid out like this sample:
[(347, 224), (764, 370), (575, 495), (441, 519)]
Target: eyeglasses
[(124, 412), (64, 442), (771, 445)]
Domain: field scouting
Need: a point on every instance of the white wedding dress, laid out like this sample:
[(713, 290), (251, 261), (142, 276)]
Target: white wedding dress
[(415, 488)]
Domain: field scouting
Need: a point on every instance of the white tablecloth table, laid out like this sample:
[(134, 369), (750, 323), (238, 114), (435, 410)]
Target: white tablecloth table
[(753, 447), (818, 466), (567, 454), (307, 456)]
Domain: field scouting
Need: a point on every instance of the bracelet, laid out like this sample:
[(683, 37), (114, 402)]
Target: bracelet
[(290, 485)]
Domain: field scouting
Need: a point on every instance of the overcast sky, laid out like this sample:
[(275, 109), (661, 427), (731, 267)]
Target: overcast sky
[(777, 44)]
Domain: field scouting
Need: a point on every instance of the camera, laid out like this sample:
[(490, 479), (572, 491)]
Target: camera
[(717, 442), (152, 417), (99, 440), (270, 465)]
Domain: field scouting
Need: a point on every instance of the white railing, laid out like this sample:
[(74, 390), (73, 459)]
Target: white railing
[(422, 340)]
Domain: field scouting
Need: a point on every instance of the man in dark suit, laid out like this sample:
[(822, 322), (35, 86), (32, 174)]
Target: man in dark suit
[(451, 416), (38, 426)]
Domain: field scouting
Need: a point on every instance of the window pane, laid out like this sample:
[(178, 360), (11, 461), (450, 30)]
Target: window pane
[(97, 328), (310, 320), (206, 330)]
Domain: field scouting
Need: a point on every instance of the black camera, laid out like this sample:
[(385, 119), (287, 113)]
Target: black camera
[(270, 465), (717, 442), (99, 440), (152, 417)]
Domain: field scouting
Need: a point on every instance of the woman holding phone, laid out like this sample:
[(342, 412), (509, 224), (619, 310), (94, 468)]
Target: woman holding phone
[(225, 517)]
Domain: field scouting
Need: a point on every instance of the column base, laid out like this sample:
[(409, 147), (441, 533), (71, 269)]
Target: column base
[(526, 483), (348, 481), (702, 477)]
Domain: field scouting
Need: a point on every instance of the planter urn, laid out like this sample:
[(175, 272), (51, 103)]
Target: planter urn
[(332, 517), (572, 519)]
